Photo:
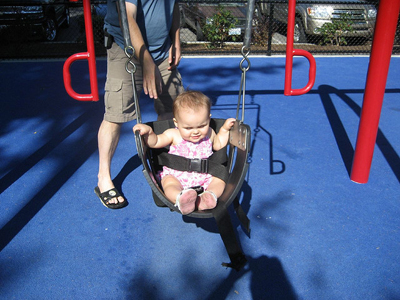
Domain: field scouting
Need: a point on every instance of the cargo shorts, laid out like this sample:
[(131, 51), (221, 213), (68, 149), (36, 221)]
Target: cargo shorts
[(118, 97)]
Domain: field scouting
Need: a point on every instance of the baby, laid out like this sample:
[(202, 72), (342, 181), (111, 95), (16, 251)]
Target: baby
[(192, 138)]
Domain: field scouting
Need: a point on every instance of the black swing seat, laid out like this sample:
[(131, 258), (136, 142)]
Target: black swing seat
[(232, 171), (231, 168)]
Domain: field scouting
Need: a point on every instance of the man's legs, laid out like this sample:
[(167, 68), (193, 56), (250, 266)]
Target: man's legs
[(119, 108), (108, 138)]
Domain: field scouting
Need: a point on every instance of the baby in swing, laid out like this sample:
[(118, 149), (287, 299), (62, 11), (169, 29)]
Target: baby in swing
[(192, 138)]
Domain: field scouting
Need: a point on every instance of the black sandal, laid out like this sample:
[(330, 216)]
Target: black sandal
[(105, 197)]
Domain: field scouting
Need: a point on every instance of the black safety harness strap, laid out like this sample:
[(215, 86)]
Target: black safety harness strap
[(214, 165)]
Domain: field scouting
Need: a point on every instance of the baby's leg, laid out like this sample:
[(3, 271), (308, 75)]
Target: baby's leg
[(208, 199), (185, 200)]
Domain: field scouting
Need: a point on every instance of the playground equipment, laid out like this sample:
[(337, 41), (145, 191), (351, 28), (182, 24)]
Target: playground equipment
[(235, 165), (89, 55), (382, 45), (385, 30), (239, 145), (290, 52)]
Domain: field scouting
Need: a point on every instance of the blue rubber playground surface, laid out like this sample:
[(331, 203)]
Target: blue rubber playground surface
[(315, 234)]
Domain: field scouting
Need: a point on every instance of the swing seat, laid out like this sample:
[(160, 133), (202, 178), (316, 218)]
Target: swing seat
[(236, 164), (239, 140)]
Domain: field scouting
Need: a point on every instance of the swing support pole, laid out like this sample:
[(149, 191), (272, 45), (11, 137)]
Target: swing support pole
[(382, 46), (290, 52), (89, 56)]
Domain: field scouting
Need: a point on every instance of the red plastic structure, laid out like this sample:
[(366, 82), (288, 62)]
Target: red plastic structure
[(89, 55), (290, 52), (382, 46)]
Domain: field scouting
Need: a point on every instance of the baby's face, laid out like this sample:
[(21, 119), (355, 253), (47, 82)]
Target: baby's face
[(193, 125)]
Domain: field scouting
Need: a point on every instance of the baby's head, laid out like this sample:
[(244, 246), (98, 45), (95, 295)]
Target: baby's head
[(192, 115), (192, 100)]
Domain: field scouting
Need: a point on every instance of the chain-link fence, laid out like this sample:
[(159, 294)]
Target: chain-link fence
[(207, 28)]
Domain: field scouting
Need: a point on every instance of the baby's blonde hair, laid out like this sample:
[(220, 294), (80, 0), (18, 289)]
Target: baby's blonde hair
[(193, 100)]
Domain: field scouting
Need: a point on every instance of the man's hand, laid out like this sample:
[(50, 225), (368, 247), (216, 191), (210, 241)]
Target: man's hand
[(152, 82), (175, 50), (174, 57)]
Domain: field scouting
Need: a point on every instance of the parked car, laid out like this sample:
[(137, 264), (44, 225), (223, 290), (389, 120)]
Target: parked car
[(311, 16), (33, 18), (195, 16)]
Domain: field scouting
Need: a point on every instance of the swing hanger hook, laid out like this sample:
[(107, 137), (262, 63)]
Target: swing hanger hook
[(245, 53), (130, 66)]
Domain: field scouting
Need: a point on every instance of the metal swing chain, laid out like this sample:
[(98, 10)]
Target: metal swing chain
[(242, 89), (130, 66), (245, 53)]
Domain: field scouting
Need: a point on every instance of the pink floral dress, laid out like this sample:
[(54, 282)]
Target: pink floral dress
[(202, 149)]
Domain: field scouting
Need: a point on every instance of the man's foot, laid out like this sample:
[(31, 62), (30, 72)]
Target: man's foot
[(105, 185), (186, 201), (111, 198), (208, 200)]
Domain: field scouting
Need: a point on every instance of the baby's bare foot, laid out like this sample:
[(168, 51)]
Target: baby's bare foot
[(186, 201), (208, 200)]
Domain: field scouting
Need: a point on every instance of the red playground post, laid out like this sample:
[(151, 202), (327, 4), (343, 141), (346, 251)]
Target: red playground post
[(89, 55), (382, 46), (290, 52)]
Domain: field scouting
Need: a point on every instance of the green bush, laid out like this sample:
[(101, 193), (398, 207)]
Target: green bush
[(333, 33), (216, 29)]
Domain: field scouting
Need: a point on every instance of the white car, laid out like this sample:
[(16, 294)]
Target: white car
[(311, 16)]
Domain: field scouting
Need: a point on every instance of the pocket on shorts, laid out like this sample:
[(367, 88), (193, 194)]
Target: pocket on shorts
[(113, 85), (113, 95), (118, 100)]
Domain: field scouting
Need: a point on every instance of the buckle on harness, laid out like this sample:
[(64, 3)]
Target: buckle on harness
[(198, 165)]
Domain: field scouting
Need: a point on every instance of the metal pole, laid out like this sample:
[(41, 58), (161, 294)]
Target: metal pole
[(89, 55), (290, 52), (270, 26), (91, 52), (381, 52), (249, 22)]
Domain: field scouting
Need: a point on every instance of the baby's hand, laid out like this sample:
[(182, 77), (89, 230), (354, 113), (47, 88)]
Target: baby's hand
[(142, 128), (229, 123)]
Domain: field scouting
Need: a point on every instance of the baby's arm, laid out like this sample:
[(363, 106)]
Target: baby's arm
[(221, 139), (153, 140)]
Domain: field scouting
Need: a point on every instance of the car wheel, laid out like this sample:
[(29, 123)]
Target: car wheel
[(50, 30), (199, 32), (299, 33)]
